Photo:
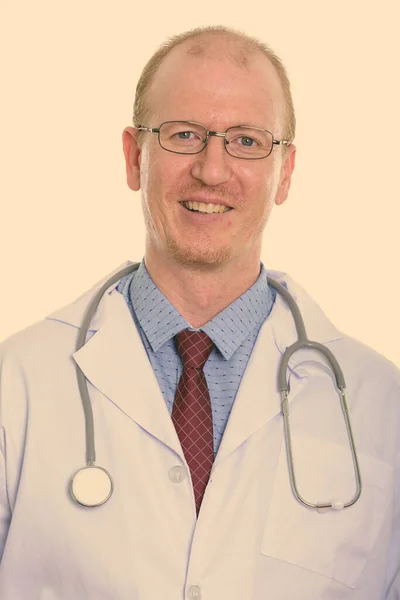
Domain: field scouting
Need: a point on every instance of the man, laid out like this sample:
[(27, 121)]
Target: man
[(202, 504)]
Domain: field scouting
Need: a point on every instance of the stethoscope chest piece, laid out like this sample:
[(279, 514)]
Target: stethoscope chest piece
[(91, 486)]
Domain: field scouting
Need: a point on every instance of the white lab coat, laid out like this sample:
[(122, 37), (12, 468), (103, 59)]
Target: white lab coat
[(252, 540)]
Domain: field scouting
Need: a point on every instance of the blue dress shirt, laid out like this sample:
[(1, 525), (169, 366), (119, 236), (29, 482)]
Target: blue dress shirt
[(234, 332)]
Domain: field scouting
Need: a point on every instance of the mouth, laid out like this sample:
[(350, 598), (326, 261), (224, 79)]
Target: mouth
[(201, 207)]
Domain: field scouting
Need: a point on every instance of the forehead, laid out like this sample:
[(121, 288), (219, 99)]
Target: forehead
[(216, 87)]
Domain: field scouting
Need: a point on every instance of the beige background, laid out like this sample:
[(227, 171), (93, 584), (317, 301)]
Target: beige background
[(67, 216)]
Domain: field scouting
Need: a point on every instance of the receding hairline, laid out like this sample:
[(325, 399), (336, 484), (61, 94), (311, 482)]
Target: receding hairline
[(225, 46), (222, 50)]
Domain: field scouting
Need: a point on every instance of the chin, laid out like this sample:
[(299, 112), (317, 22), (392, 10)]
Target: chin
[(195, 257)]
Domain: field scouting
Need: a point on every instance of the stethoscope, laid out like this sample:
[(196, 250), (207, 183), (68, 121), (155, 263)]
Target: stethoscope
[(92, 485)]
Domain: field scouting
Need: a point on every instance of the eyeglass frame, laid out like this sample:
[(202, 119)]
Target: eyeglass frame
[(216, 134)]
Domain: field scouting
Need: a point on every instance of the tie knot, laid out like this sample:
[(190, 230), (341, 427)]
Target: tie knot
[(194, 347)]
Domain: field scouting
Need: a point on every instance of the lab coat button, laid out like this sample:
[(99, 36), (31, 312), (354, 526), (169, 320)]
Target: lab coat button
[(177, 474), (194, 592)]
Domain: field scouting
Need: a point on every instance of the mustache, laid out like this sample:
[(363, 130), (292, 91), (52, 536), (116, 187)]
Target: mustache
[(215, 192)]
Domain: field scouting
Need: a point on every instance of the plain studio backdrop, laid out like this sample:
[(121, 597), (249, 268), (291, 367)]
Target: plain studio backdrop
[(68, 77)]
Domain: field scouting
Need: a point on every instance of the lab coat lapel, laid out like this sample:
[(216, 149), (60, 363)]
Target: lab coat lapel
[(259, 399), (115, 362)]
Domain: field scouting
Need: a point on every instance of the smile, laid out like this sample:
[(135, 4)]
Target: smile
[(205, 208)]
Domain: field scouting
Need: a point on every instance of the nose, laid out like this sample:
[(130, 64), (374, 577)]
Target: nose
[(212, 165)]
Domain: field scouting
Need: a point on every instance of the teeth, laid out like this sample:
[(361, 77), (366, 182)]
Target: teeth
[(206, 208)]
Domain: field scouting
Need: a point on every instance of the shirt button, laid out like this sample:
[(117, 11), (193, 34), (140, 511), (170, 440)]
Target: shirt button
[(177, 474), (194, 592)]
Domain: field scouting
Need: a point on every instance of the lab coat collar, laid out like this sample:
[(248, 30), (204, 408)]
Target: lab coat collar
[(115, 362), (318, 326)]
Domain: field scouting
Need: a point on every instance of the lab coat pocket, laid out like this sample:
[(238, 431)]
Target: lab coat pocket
[(332, 543)]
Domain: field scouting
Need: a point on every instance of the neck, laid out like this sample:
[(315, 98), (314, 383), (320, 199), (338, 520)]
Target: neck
[(200, 294)]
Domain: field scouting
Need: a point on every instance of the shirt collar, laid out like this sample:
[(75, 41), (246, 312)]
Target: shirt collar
[(227, 330)]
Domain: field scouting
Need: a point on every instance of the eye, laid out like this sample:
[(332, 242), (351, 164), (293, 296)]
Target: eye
[(185, 135), (247, 141)]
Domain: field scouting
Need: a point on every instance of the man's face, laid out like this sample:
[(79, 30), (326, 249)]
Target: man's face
[(219, 94)]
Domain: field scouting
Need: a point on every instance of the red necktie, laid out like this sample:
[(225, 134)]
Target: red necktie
[(191, 413)]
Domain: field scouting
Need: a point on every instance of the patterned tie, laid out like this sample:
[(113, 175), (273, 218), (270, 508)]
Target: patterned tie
[(191, 413)]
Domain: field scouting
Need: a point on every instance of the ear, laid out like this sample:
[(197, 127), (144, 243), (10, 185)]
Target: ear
[(286, 175), (132, 157)]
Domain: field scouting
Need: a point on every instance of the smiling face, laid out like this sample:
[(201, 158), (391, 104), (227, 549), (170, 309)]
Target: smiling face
[(215, 91)]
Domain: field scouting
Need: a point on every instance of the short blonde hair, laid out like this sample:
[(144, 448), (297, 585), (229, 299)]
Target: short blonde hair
[(245, 46)]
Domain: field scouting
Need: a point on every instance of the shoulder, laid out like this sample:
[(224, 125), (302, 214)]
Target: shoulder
[(360, 361), (57, 332)]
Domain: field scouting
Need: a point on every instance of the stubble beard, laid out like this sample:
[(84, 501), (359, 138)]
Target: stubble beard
[(197, 257)]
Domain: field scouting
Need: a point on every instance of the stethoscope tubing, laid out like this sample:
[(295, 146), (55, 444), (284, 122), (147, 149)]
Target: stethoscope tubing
[(82, 382), (301, 343)]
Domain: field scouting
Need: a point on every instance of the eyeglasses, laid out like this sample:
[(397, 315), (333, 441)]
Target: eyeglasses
[(189, 137)]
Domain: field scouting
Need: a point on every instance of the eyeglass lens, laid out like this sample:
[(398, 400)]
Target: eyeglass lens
[(189, 138)]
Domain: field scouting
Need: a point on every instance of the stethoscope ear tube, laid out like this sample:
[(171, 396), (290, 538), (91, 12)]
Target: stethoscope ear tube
[(335, 504), (303, 342)]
